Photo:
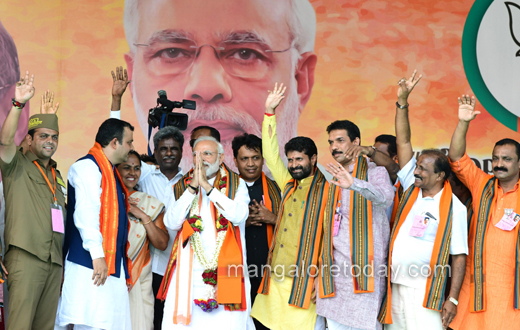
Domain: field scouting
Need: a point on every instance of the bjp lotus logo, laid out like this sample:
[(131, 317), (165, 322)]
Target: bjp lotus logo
[(491, 57)]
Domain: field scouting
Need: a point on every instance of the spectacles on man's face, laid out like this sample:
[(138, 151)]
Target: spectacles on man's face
[(206, 153), (250, 60)]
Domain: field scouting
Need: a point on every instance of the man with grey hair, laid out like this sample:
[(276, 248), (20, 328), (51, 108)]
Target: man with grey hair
[(224, 54), (154, 181), (207, 272)]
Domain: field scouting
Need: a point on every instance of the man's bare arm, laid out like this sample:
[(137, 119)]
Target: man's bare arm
[(119, 83), (466, 114), (377, 157), (24, 92), (458, 270), (402, 123)]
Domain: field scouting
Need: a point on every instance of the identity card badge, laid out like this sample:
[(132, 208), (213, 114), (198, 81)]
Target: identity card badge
[(57, 219), (419, 225), (509, 220)]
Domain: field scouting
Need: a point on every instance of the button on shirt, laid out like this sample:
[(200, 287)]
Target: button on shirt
[(288, 240), (155, 183), (412, 255)]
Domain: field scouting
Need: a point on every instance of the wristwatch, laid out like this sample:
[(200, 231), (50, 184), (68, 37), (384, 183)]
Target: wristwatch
[(401, 106), (453, 300)]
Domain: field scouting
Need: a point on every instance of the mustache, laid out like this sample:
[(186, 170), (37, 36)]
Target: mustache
[(418, 176), (497, 168), (336, 152), (168, 157), (292, 169)]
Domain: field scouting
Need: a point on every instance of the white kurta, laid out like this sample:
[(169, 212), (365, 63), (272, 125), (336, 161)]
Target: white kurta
[(106, 306), (236, 211)]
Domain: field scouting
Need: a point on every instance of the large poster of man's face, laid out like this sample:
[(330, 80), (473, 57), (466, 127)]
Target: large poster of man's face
[(225, 55), (340, 59)]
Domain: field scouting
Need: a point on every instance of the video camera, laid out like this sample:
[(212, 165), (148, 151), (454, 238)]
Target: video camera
[(162, 114)]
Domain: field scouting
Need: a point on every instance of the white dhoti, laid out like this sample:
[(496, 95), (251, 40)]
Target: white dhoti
[(105, 307)]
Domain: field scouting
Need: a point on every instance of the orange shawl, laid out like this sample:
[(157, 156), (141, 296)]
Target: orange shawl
[(109, 214)]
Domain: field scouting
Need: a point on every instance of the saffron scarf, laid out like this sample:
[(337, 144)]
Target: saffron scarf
[(231, 287), (436, 282), (310, 237), (361, 237), (397, 197), (109, 213), (484, 203)]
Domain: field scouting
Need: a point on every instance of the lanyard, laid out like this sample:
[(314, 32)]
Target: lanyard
[(53, 190)]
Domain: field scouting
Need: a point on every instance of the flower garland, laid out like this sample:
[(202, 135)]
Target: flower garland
[(209, 275)]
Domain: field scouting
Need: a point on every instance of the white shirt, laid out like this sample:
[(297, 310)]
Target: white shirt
[(106, 306), (236, 211), (411, 256), (155, 183)]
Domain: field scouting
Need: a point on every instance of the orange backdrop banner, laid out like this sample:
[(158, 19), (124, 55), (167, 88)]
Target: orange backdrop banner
[(341, 59)]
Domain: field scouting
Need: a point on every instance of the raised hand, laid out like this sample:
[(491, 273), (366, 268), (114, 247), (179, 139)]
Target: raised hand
[(467, 108), (274, 98), (406, 87), (120, 82), (24, 88), (47, 103), (345, 179)]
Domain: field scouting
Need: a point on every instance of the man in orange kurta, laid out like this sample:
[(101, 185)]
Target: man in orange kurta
[(497, 310)]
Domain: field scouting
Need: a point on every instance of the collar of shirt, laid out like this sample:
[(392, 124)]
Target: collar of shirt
[(306, 181), (177, 176), (436, 198), (32, 157)]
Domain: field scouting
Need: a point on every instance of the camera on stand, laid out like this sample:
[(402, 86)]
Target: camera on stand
[(162, 115)]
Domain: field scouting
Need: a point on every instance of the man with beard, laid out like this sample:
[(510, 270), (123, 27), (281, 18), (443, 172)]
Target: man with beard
[(429, 226), (158, 182), (350, 298), (224, 54), (265, 202), (208, 262), (490, 295), (284, 301), (35, 202)]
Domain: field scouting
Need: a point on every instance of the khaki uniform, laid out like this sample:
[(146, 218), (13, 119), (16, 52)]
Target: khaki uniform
[(33, 255)]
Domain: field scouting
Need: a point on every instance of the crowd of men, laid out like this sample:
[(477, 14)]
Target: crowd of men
[(391, 241)]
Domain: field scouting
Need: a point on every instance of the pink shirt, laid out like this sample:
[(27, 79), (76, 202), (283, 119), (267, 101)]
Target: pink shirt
[(360, 310)]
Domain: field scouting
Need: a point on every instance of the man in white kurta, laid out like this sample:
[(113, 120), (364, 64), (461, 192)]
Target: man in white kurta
[(236, 212), (91, 298)]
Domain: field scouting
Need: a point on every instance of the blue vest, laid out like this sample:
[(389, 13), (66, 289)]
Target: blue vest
[(73, 244)]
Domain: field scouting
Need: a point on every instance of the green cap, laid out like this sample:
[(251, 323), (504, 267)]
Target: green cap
[(47, 120)]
